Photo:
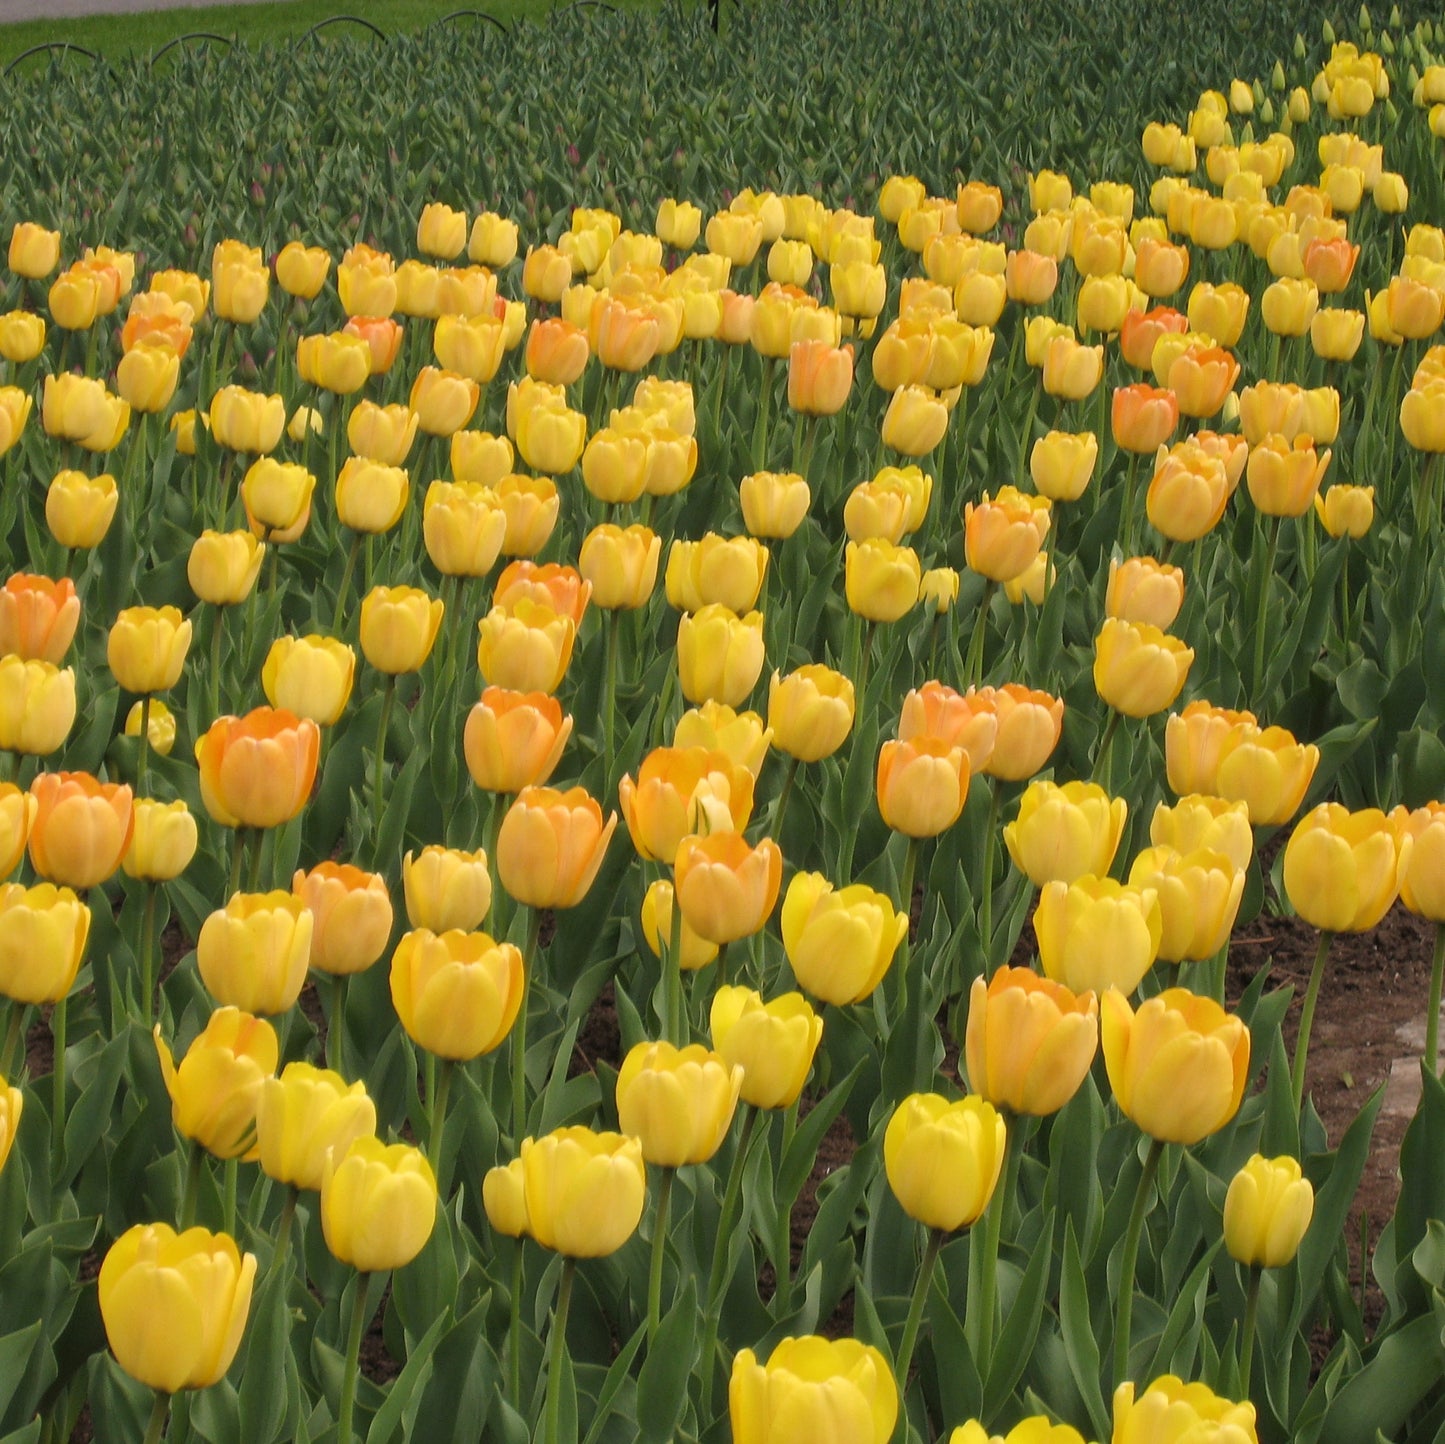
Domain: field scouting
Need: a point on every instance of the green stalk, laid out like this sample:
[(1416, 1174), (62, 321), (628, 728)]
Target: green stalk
[(1129, 1262), (57, 1107), (519, 1032), (13, 1030), (609, 705), (229, 1171), (1432, 1018), (344, 591), (1126, 532), (1307, 1018), (344, 1434), (378, 793), (336, 1026), (915, 1314), (1102, 772), (145, 745), (973, 666), (156, 1425), (783, 1239), (193, 1185), (659, 1248), (765, 397), (147, 958), (1265, 578), (217, 638), (980, 1330), (865, 660), (437, 1120), (283, 1229), (558, 1350), (726, 1223), (789, 777), (672, 977), (985, 902), (1251, 1319), (514, 1331)]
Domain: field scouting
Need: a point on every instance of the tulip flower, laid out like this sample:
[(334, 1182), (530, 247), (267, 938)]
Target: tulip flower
[(351, 916), (309, 676), (1266, 1212), (257, 770), (840, 943), (304, 1115), (813, 1388), (680, 792), (1064, 832)]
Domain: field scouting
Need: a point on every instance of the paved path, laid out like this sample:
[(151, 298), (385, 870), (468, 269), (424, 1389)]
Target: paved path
[(11, 10)]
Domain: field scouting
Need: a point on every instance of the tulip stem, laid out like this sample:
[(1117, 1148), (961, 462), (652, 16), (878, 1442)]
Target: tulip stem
[(915, 1314), (145, 745), (784, 794), (193, 1186), (1265, 577), (336, 1026), (283, 1229), (1126, 529), (147, 956), (973, 667), (437, 1119), (783, 1239), (985, 901), (609, 704), (1432, 1018), (519, 1031), (344, 591), (1251, 1318), (359, 1312), (1103, 771), (1129, 1261), (558, 1351), (765, 397), (726, 1223), (13, 1031), (57, 1108), (1307, 1018), (659, 1248), (156, 1425), (217, 639), (378, 796), (979, 1319), (672, 977), (229, 1170), (865, 659)]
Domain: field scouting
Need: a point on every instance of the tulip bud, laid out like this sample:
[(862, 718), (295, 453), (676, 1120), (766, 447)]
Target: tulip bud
[(378, 1204), (1267, 1211), (943, 1159)]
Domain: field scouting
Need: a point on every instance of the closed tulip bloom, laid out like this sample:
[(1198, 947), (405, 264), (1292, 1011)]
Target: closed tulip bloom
[(719, 654), (1036, 1429), (557, 351), (840, 943), (1219, 311), (716, 727), (253, 953), (1062, 463), (339, 363), (620, 564), (551, 845), (915, 421), (277, 497), (694, 952), (903, 355), (724, 571), (470, 346), (680, 792), (1284, 478), (1187, 494), (1160, 269), (1422, 875), (943, 1159), (457, 993), (811, 1389), (1414, 308), (418, 290), (1342, 869), (678, 1103), (1267, 1212), (146, 377), (1420, 416), (79, 409), (773, 503), (1288, 306), (1199, 894), (34, 251), (584, 1191), (1142, 330), (441, 231), (1196, 741), (1072, 371), (239, 291), (1065, 832), (938, 589), (1268, 770), (1177, 1066), (42, 941), (301, 270), (382, 433), (480, 458), (247, 421), (552, 438), (1201, 379), (174, 1305), (17, 812), (1271, 407), (446, 889), (810, 711), (875, 511), (921, 785), (378, 1204), (514, 740), (311, 676), (37, 705), (1029, 1042), (725, 887), (1103, 303), (678, 224), (1002, 535), (22, 336), (371, 497), (614, 465), (12, 1105), (820, 377), (772, 1043), (257, 770), (1094, 933), (38, 617), (504, 1198), (217, 1087), (443, 401), (75, 299), (1169, 1409), (223, 566), (351, 916), (1198, 822), (81, 828), (493, 241), (1145, 591), (163, 840), (961, 719), (1139, 670), (881, 580), (160, 728), (399, 626), (464, 526), (1029, 724), (526, 647), (147, 648), (304, 1115)]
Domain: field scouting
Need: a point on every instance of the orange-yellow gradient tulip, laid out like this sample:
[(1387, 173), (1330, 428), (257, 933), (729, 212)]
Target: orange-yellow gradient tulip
[(1063, 832), (351, 916), (551, 845), (257, 770), (1187, 494), (694, 952), (38, 617), (1145, 591), (681, 792), (399, 626), (921, 785), (1002, 535), (1342, 869), (810, 711), (514, 740), (725, 887), (81, 828), (1139, 670), (1029, 1041)]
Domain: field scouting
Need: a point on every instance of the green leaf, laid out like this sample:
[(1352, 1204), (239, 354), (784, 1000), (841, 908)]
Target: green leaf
[(662, 1384), (405, 1390), (1408, 1364), (1016, 1340), (1080, 1345), (263, 1383)]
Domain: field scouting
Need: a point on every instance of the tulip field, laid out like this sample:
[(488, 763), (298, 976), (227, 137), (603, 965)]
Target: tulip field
[(643, 676)]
